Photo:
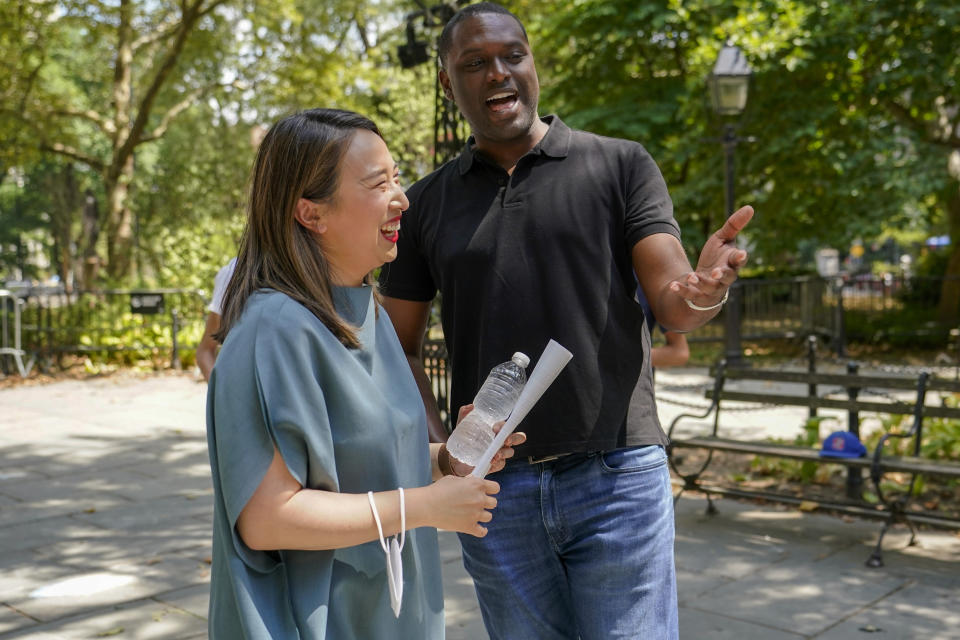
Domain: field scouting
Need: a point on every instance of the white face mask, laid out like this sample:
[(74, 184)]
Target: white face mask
[(392, 549)]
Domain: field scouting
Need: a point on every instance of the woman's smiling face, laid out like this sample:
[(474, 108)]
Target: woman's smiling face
[(361, 223)]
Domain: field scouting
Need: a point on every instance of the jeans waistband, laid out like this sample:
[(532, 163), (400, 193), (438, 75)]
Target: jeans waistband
[(558, 457), (568, 456)]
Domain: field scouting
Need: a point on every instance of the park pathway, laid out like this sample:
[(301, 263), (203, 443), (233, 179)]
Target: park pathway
[(105, 515)]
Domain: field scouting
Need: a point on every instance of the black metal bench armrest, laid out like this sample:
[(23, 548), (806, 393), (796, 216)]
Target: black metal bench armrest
[(718, 382), (916, 431)]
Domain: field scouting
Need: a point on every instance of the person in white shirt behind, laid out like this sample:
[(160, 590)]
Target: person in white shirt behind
[(208, 347)]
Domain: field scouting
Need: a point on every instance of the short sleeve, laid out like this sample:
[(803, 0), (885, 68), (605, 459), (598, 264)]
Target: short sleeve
[(649, 209), (265, 394), (220, 282), (408, 277)]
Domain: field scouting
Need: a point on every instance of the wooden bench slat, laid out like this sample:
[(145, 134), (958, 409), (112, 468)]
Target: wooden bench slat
[(900, 408), (765, 449), (907, 464), (921, 465), (844, 380)]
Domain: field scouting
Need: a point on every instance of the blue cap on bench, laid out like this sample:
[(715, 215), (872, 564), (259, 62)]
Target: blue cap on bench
[(842, 444)]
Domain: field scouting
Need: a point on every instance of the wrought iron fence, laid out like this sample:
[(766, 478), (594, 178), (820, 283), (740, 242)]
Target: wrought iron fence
[(140, 323), (779, 308), (865, 309), (152, 323), (435, 363)]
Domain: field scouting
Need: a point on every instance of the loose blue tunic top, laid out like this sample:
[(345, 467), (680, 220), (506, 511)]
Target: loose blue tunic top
[(346, 420)]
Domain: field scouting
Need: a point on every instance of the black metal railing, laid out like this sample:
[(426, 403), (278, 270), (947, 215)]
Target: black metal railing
[(144, 323), (862, 309), (435, 363)]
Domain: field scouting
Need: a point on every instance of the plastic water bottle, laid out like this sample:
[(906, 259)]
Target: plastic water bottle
[(493, 403)]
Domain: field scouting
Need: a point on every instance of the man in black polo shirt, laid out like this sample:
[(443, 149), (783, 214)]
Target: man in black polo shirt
[(535, 232)]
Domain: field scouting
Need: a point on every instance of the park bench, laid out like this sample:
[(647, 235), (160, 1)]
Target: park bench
[(891, 507)]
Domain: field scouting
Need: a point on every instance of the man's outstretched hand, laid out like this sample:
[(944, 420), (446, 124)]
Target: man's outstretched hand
[(719, 262)]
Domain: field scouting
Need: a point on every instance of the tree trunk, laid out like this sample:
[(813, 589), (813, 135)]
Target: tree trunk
[(949, 310), (119, 172), (127, 128), (90, 233), (66, 209), (120, 223), (65, 266)]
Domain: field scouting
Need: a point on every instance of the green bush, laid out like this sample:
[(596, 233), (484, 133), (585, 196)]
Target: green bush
[(940, 437), (102, 330), (908, 327)]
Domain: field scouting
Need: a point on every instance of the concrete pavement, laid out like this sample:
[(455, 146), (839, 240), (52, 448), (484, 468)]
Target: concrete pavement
[(105, 515)]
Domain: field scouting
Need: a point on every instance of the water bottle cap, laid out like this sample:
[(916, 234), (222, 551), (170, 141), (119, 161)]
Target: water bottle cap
[(521, 359)]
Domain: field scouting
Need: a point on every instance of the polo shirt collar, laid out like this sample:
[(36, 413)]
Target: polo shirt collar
[(555, 143)]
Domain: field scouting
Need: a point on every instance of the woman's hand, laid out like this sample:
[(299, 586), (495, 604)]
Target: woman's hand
[(500, 458), (462, 504)]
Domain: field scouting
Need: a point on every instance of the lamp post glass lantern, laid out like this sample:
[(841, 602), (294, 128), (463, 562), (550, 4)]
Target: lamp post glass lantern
[(729, 84)]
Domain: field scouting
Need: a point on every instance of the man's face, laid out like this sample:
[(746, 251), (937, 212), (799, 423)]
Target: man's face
[(490, 74)]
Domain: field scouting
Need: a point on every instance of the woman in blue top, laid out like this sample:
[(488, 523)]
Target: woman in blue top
[(312, 405)]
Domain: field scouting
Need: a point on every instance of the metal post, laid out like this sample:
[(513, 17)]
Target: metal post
[(854, 478), (812, 368), (955, 339), (840, 322), (176, 347), (729, 145), (4, 366), (14, 302), (733, 352)]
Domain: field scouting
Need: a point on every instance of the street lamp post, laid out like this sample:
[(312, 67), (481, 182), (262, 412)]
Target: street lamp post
[(729, 82), (449, 127)]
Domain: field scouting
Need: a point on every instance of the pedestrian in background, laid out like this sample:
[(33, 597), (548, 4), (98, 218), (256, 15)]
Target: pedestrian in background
[(208, 347)]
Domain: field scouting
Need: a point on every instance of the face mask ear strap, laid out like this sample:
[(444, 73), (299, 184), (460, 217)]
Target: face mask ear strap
[(376, 518), (392, 551), (403, 520)]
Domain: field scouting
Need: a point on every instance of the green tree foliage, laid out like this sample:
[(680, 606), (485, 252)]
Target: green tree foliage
[(103, 79), (853, 109), (159, 102), (129, 122), (872, 88), (638, 70)]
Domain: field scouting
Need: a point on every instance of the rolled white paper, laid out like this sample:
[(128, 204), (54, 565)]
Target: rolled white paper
[(552, 361)]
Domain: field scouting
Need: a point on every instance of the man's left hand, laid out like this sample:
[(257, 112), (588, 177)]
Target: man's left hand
[(720, 261)]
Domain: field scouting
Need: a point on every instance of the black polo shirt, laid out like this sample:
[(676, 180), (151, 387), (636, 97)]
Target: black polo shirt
[(543, 253)]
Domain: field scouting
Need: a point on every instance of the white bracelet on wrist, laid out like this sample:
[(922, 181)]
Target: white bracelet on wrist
[(697, 307)]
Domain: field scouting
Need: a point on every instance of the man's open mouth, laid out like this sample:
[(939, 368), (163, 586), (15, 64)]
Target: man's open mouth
[(502, 101)]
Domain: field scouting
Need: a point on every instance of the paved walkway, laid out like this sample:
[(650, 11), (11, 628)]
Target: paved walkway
[(105, 515)]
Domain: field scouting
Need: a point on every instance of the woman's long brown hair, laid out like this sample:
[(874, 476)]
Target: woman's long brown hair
[(298, 158)]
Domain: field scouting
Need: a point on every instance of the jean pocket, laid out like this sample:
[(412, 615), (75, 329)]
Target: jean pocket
[(634, 459)]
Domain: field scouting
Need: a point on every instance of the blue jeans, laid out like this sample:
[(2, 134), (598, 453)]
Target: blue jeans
[(579, 547)]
